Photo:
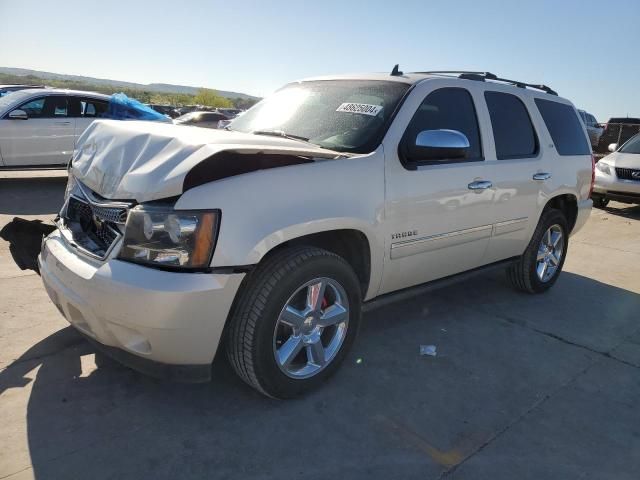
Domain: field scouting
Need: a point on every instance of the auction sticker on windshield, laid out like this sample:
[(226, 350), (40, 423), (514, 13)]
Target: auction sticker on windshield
[(363, 108)]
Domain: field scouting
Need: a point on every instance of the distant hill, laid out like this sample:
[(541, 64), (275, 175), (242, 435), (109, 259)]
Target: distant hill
[(152, 87)]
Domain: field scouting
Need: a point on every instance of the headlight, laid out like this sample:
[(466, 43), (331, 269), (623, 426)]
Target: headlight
[(162, 236), (603, 167)]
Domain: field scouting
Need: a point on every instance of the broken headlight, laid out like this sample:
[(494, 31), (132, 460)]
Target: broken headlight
[(162, 236)]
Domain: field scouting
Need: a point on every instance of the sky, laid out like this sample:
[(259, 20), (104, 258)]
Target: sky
[(585, 50)]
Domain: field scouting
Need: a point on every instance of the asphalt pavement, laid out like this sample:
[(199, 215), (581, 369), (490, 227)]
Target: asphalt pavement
[(522, 387)]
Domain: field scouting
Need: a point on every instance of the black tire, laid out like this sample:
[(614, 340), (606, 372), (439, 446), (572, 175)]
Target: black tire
[(250, 333), (600, 201), (522, 274)]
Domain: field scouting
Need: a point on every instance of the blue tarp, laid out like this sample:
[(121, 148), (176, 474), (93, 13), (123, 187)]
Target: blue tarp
[(122, 107)]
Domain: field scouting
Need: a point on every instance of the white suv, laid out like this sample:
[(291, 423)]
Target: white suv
[(268, 238)]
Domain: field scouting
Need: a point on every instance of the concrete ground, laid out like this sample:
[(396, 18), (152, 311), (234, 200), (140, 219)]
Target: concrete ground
[(522, 387)]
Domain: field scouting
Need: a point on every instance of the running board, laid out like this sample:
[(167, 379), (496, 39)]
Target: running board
[(412, 292)]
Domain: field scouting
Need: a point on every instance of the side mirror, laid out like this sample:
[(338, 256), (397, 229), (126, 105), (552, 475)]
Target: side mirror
[(439, 145), (18, 115), (613, 147)]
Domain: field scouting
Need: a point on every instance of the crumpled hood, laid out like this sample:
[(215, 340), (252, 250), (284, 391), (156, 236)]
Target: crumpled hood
[(623, 160), (147, 161)]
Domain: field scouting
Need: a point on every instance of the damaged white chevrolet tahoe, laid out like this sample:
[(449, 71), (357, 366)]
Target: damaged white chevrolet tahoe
[(267, 238)]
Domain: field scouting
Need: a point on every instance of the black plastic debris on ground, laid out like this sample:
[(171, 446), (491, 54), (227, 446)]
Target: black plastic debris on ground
[(25, 238)]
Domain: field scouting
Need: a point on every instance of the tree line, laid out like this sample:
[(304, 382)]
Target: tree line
[(205, 96)]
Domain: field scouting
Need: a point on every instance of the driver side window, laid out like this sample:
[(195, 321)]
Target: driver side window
[(33, 108), (449, 108), (54, 106)]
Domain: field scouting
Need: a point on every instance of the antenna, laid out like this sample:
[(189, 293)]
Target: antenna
[(396, 71)]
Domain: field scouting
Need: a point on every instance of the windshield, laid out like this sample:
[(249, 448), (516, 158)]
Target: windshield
[(342, 115), (632, 145), (13, 99)]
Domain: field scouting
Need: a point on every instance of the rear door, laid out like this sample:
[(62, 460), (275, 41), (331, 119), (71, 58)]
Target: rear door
[(518, 170), (85, 110), (435, 223), (45, 138)]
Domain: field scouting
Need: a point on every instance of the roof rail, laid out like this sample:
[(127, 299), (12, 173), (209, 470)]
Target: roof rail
[(482, 76)]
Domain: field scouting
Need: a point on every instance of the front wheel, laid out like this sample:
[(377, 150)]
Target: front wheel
[(540, 265), (295, 321)]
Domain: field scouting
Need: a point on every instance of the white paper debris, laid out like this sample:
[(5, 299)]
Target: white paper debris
[(428, 350)]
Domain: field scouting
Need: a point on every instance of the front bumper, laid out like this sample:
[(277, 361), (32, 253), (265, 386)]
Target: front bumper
[(615, 188), (166, 318)]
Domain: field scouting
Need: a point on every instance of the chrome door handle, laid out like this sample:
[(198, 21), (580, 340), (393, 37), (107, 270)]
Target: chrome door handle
[(480, 185), (542, 176)]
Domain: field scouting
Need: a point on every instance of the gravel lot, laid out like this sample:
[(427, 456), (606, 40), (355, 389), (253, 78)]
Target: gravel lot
[(522, 387)]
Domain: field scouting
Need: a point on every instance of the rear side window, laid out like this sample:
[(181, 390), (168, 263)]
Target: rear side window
[(565, 129), (512, 129), (92, 108)]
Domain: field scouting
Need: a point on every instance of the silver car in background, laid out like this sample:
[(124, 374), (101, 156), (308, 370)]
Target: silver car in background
[(618, 175), (593, 127)]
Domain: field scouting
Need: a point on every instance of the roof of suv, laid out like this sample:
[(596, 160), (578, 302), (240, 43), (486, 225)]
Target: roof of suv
[(416, 77)]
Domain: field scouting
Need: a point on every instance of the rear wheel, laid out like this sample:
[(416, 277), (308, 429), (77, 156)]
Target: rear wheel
[(540, 265), (295, 321)]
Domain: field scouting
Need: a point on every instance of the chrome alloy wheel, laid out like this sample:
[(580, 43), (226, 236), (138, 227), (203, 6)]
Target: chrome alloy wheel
[(311, 328), (550, 253)]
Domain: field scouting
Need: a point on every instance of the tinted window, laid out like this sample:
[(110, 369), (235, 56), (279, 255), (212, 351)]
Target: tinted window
[(512, 129), (34, 108), (212, 117), (447, 108), (92, 108), (632, 146), (55, 107), (565, 129)]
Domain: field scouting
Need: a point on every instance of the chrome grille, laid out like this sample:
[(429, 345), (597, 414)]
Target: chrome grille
[(628, 173), (91, 222), (110, 214)]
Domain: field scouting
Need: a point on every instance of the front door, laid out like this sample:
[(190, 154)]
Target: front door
[(45, 138), (438, 214)]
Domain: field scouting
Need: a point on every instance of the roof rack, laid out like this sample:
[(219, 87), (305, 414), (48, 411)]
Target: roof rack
[(482, 76)]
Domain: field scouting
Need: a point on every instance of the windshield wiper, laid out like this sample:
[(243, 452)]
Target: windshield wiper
[(281, 133)]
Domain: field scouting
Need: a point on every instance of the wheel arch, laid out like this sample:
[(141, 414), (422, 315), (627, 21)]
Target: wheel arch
[(567, 203), (352, 244)]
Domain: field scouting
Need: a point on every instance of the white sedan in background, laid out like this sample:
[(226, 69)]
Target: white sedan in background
[(39, 127), (618, 175)]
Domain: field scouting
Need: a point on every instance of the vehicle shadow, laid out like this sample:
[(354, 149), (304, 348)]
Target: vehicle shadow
[(31, 196), (388, 413), (623, 210), (25, 238)]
